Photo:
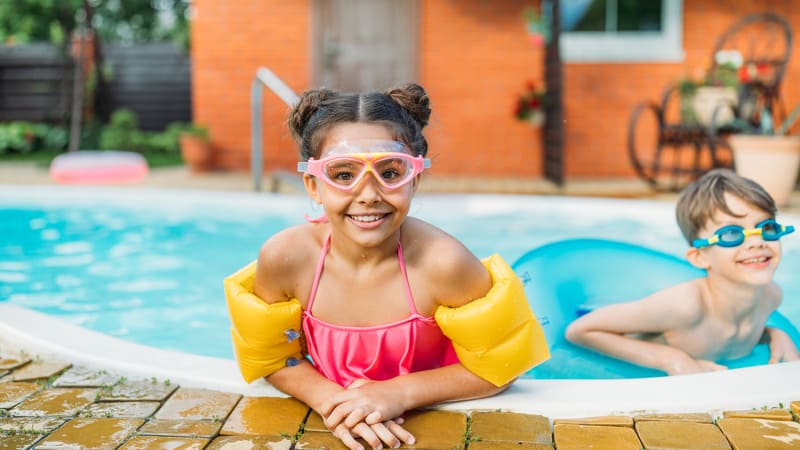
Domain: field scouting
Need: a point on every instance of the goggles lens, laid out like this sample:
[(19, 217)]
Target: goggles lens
[(734, 235), (392, 170)]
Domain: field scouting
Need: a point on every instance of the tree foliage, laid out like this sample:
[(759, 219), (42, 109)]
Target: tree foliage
[(23, 21)]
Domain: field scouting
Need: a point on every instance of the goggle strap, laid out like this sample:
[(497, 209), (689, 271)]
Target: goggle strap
[(426, 163), (302, 166)]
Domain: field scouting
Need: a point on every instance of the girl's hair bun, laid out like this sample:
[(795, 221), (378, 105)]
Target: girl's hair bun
[(305, 108), (413, 98)]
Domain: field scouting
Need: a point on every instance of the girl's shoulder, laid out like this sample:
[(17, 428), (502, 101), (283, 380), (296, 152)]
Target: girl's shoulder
[(292, 246), (452, 271)]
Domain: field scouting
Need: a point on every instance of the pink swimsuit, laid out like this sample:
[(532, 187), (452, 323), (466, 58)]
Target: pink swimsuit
[(344, 354)]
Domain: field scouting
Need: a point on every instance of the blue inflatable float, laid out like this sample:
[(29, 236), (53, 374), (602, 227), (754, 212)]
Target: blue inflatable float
[(568, 278)]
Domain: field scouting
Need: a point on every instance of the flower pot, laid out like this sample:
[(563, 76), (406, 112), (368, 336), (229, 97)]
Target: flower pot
[(536, 118), (771, 161), (196, 152), (707, 98)]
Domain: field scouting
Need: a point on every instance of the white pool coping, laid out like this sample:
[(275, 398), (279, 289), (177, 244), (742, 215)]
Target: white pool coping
[(41, 335)]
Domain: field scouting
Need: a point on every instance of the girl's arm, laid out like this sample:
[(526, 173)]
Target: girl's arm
[(375, 401), (609, 330)]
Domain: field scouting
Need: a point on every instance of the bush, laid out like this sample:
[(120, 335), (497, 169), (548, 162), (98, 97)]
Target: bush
[(26, 137)]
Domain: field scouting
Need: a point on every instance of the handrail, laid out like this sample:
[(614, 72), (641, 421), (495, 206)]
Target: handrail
[(264, 77)]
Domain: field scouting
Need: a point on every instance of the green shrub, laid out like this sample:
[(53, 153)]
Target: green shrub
[(25, 137)]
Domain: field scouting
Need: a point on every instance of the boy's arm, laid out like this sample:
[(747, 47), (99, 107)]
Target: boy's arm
[(781, 346), (609, 330)]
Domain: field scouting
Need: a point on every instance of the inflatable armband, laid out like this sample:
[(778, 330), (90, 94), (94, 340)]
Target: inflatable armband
[(266, 336), (496, 337)]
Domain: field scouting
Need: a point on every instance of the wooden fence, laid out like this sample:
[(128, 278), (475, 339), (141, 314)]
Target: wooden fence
[(153, 80)]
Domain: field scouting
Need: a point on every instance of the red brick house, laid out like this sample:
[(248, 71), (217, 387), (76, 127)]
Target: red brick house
[(474, 58)]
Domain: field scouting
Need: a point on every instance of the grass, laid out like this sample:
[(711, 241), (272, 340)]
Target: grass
[(43, 158)]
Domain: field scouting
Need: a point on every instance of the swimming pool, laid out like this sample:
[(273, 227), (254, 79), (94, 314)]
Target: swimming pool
[(147, 265), (537, 219)]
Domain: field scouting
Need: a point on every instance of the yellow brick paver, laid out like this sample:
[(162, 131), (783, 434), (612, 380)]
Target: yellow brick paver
[(761, 434), (509, 426), (55, 402), (769, 414), (266, 416), (90, 434), (164, 443), (569, 436), (196, 404), (684, 435)]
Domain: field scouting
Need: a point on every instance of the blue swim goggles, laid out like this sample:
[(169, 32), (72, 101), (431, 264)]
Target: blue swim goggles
[(733, 235)]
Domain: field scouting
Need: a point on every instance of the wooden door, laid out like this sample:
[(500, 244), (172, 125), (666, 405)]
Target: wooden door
[(364, 44)]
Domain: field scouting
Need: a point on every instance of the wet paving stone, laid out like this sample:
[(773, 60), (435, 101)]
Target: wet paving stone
[(90, 434), (140, 389), (676, 417), (664, 435), (322, 439), (11, 362), (760, 434), (12, 394), (436, 429), (769, 414), (55, 402), (164, 443), (611, 421), (30, 425), (85, 377), (507, 426), (508, 445), (38, 370), (128, 410), (18, 441), (569, 436), (274, 416), (185, 428), (250, 443), (197, 404)]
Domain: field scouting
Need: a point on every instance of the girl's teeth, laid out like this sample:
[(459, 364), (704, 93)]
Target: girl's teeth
[(366, 218)]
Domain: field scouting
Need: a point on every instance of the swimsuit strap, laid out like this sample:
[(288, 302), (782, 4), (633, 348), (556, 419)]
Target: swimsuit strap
[(318, 274), (321, 265), (401, 259)]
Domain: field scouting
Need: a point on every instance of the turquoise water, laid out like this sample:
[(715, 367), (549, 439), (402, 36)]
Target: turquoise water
[(148, 266)]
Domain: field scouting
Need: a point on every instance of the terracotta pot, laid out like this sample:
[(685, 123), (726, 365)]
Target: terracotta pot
[(771, 161), (196, 152)]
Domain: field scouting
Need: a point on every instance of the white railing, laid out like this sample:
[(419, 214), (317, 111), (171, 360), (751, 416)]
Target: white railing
[(264, 77)]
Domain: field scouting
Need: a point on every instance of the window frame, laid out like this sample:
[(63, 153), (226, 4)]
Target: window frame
[(629, 46)]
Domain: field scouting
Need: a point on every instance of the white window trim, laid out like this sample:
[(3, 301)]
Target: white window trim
[(666, 46)]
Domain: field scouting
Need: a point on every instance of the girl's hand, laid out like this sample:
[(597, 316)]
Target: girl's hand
[(364, 401), (389, 433), (781, 346)]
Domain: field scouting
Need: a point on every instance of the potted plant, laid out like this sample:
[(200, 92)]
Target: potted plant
[(530, 105), (767, 155), (196, 149), (699, 98)]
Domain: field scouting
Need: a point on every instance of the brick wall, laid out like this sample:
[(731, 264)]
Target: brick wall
[(474, 60)]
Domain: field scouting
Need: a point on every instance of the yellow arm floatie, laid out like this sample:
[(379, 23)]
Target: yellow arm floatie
[(265, 335), (496, 337)]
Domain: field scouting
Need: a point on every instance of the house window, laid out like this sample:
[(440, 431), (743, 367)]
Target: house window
[(621, 30)]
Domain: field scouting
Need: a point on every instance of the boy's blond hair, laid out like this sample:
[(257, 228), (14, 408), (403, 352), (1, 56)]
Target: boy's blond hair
[(701, 200)]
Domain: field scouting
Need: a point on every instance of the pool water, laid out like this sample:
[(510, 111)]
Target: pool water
[(147, 266)]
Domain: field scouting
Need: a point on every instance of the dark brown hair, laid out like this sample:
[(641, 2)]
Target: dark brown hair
[(702, 199), (404, 109)]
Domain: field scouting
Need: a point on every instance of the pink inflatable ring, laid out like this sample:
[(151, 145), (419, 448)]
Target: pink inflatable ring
[(98, 167)]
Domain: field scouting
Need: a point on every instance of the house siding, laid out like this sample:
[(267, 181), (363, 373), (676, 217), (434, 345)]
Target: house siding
[(474, 59)]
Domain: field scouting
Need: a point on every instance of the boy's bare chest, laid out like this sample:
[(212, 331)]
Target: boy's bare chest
[(714, 340)]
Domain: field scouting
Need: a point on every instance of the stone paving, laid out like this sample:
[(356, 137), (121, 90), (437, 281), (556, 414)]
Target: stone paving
[(48, 404)]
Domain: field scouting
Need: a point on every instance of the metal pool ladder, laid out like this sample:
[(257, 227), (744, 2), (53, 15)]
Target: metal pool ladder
[(264, 77)]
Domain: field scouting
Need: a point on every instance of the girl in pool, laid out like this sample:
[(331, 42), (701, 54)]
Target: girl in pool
[(368, 313)]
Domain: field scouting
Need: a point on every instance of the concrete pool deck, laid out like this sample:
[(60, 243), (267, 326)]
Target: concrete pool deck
[(65, 387)]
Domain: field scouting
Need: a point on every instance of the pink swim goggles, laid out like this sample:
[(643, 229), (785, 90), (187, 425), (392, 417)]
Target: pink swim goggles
[(345, 171)]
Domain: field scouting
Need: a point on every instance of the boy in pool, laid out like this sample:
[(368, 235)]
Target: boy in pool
[(729, 223), (366, 313)]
